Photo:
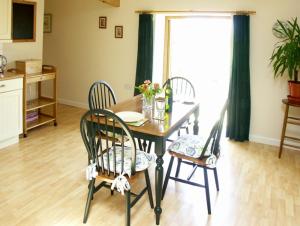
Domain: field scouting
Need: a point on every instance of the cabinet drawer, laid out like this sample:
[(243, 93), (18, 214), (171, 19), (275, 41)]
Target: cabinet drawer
[(39, 78), (9, 85)]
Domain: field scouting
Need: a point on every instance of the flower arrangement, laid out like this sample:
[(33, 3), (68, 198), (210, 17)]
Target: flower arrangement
[(149, 89)]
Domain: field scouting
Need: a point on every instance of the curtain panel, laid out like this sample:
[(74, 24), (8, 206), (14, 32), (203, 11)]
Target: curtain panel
[(145, 50), (239, 101)]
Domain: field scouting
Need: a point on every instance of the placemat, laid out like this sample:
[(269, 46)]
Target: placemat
[(138, 123)]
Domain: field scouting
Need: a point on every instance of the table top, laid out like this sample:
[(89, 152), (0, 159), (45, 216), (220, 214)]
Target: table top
[(291, 102), (10, 75), (155, 127)]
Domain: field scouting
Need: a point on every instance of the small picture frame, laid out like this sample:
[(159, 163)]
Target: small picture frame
[(47, 23), (102, 22), (118, 31)]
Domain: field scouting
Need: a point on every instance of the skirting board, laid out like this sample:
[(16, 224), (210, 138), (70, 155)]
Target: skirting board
[(271, 141), (253, 138), (10, 141), (264, 140), (73, 103)]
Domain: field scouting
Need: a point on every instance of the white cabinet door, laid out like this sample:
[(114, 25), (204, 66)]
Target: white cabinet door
[(10, 114), (5, 19)]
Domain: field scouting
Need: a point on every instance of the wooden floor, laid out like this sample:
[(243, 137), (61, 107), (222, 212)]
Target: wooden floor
[(42, 182)]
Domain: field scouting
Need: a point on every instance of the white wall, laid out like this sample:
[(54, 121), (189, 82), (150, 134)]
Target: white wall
[(27, 50), (84, 53)]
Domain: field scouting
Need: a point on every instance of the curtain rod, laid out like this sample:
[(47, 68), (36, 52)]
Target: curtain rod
[(237, 12)]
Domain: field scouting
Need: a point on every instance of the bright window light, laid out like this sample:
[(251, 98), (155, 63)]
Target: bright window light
[(201, 51)]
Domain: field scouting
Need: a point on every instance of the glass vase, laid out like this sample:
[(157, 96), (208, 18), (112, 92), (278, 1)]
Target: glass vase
[(147, 102)]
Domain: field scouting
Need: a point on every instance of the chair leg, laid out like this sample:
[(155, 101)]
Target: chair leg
[(178, 133), (178, 167), (216, 178), (187, 129), (89, 199), (127, 206), (111, 192), (90, 185), (206, 184), (147, 178), (167, 177)]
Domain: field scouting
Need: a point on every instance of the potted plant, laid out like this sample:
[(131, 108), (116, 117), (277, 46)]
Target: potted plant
[(286, 55)]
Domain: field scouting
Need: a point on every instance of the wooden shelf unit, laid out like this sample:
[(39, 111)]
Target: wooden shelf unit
[(48, 73)]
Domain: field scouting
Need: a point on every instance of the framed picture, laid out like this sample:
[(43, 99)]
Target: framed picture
[(102, 22), (118, 31), (47, 23)]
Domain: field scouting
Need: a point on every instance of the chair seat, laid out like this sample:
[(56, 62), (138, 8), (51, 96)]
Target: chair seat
[(198, 161), (189, 145), (143, 160)]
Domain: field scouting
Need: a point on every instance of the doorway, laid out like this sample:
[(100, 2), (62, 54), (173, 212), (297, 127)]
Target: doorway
[(199, 48)]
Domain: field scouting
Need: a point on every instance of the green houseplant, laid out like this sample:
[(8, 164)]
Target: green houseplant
[(286, 54)]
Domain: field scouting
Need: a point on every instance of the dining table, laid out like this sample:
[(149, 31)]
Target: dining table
[(158, 131)]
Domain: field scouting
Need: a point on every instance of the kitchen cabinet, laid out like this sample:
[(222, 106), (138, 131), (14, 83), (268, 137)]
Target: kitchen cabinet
[(5, 20), (11, 106)]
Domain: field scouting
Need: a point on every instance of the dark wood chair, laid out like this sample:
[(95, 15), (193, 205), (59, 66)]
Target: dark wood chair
[(100, 129), (102, 96), (199, 153), (181, 87)]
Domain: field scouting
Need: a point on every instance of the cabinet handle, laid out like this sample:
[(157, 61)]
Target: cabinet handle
[(2, 86)]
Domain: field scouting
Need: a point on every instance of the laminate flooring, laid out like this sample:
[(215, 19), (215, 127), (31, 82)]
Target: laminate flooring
[(42, 182)]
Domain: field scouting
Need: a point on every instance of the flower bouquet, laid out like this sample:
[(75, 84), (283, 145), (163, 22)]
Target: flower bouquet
[(148, 90)]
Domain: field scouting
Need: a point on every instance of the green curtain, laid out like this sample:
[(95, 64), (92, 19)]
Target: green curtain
[(239, 105), (145, 50)]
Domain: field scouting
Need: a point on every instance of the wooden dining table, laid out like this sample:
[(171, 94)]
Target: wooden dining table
[(158, 131)]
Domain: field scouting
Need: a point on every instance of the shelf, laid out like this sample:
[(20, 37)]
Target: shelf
[(43, 119), (115, 3), (39, 103)]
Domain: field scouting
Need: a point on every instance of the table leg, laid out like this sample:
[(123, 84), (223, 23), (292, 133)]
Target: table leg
[(283, 129), (159, 150), (196, 127)]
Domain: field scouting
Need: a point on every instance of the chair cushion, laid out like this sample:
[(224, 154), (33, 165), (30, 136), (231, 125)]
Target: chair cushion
[(143, 160), (189, 145)]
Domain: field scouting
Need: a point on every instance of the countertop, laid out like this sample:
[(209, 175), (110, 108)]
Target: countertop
[(11, 75)]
